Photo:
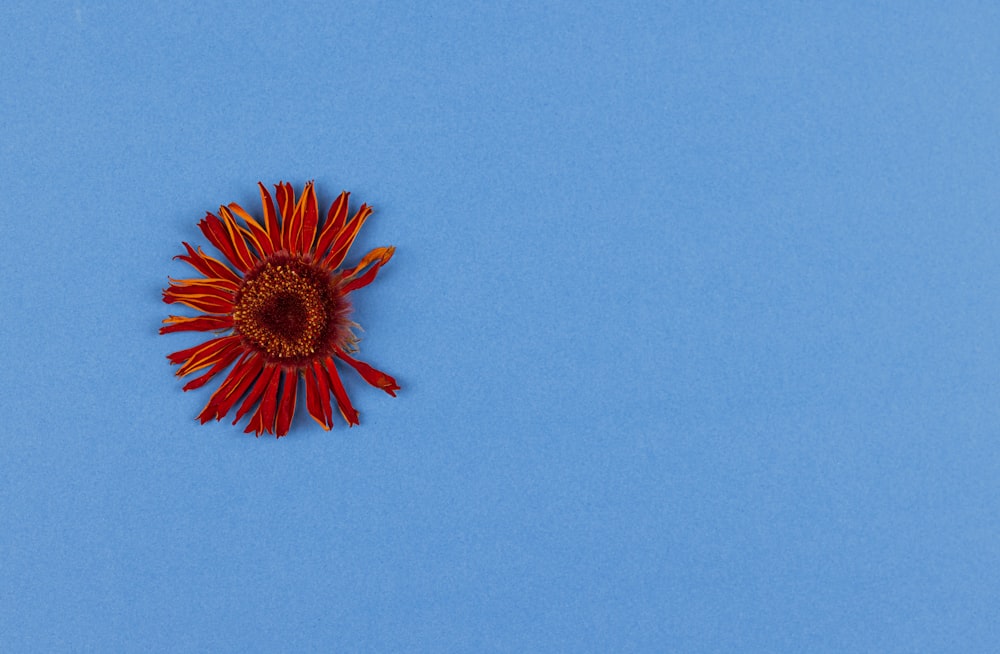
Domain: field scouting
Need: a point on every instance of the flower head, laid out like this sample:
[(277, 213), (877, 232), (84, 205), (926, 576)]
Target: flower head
[(280, 308)]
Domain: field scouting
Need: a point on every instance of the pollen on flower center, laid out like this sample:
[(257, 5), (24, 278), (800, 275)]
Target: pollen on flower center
[(288, 309)]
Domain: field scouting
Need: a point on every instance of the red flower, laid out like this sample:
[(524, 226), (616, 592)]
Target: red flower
[(280, 309)]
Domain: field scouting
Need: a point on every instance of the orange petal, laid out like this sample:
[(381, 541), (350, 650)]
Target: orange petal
[(346, 238), (286, 204), (215, 232), (227, 358), (335, 221), (204, 355), (270, 217), (204, 302), (379, 256), (310, 218), (237, 236), (255, 234), (206, 265)]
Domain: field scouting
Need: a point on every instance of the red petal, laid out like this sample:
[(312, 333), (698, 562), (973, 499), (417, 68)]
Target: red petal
[(270, 217), (232, 388), (203, 355), (376, 378), (318, 404), (237, 237), (200, 302), (346, 238), (286, 204), (310, 219), (269, 372), (258, 236), (335, 220), (323, 386), (343, 402), (215, 232), (292, 230), (208, 266), (217, 285), (199, 324), (263, 418), (286, 405), (379, 256), (226, 359)]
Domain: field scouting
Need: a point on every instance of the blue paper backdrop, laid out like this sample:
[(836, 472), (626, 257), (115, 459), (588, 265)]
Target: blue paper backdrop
[(695, 311)]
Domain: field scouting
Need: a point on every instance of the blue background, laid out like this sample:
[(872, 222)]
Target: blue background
[(695, 310)]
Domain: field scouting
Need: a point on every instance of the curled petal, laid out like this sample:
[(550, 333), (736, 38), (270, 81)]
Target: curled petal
[(354, 280)]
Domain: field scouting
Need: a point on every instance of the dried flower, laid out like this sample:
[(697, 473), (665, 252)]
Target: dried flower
[(280, 309)]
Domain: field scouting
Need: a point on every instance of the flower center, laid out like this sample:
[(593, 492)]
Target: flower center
[(289, 311)]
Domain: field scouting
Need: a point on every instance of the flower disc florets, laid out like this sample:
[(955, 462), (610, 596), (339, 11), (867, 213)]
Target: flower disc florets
[(289, 309)]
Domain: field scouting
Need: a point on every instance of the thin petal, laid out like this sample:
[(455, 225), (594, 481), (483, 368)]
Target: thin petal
[(204, 355), (310, 218), (237, 236), (286, 204), (199, 324), (232, 388), (263, 418), (256, 235), (294, 224), (208, 283), (204, 302), (206, 265), (215, 231), (227, 358), (315, 401), (286, 405), (376, 378), (203, 295), (269, 372), (323, 386), (335, 221), (379, 256), (343, 402), (346, 238), (270, 217)]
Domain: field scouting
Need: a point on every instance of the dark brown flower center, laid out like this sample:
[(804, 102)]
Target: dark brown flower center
[(289, 310)]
